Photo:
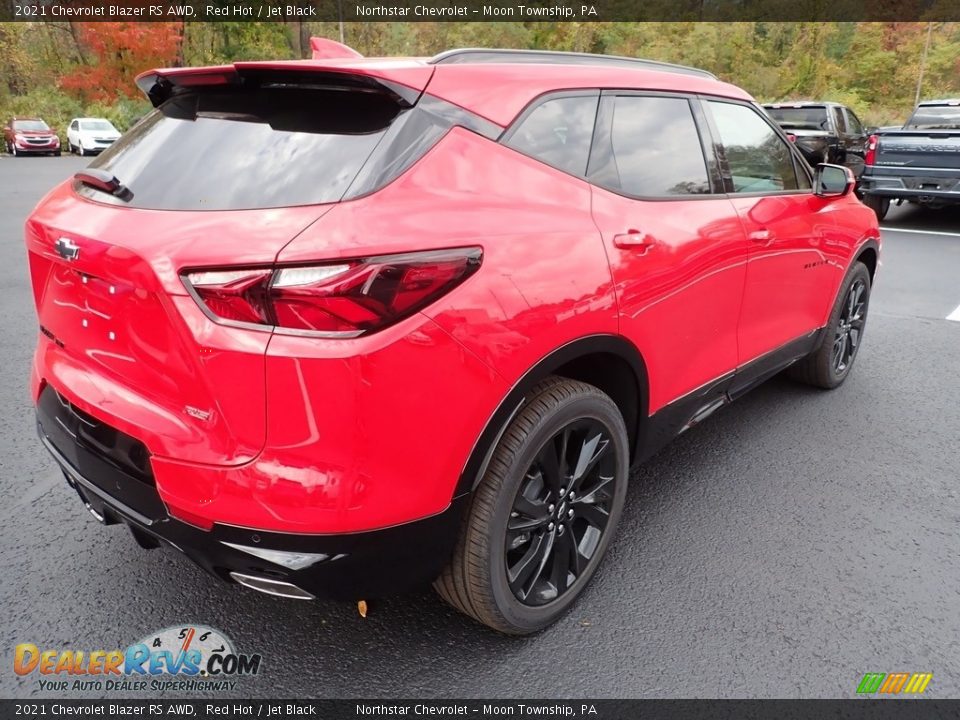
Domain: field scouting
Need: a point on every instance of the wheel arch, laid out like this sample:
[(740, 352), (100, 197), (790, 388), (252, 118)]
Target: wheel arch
[(869, 255), (609, 362)]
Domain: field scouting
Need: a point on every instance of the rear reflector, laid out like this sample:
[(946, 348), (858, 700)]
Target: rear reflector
[(342, 300)]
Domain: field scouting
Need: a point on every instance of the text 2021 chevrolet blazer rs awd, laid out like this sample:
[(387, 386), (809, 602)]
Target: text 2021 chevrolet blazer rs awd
[(346, 326)]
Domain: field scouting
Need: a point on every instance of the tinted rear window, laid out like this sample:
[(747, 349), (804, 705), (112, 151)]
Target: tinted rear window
[(238, 148), (935, 117), (804, 118)]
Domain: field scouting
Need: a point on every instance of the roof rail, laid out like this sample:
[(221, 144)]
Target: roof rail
[(554, 57)]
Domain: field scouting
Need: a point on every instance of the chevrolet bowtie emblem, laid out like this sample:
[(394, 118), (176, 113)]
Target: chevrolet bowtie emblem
[(67, 249)]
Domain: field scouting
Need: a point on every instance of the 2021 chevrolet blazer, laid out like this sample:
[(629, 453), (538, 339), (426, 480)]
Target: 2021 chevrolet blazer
[(345, 326)]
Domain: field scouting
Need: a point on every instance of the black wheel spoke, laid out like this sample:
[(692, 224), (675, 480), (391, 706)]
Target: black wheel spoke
[(595, 515), (595, 493), (590, 452), (531, 562)]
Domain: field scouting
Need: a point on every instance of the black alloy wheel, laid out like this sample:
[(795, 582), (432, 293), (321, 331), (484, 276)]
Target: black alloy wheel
[(830, 363), (850, 328), (544, 512), (560, 512)]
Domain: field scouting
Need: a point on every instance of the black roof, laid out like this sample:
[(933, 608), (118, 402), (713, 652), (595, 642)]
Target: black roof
[(551, 57)]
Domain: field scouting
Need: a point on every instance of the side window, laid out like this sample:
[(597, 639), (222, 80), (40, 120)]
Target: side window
[(856, 127), (656, 148), (558, 132), (839, 119), (758, 158), (73, 125)]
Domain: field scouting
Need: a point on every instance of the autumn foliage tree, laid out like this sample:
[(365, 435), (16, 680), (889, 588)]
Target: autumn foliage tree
[(119, 52)]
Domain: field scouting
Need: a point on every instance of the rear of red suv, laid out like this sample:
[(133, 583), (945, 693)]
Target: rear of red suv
[(341, 328)]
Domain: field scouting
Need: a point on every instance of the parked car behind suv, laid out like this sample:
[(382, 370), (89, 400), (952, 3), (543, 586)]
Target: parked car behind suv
[(825, 132), (918, 163), (90, 136), (422, 332), (30, 136)]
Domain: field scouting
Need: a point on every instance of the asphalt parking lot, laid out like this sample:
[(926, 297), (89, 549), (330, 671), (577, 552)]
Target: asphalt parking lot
[(794, 541)]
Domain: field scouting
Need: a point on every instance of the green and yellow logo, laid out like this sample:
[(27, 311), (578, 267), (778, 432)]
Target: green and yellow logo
[(894, 683)]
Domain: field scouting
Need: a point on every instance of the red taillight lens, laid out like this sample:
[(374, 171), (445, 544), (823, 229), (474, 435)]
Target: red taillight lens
[(791, 137), (870, 157), (345, 299)]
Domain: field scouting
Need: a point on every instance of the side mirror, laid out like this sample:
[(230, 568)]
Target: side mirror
[(832, 181)]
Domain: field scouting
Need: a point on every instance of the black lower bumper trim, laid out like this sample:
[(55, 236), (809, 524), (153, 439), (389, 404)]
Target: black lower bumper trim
[(357, 565)]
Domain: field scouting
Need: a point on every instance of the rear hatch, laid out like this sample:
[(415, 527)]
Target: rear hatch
[(920, 149), (222, 175)]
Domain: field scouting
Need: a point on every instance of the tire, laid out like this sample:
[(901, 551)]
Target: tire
[(80, 151), (14, 151), (571, 535), (57, 153), (827, 367), (879, 205)]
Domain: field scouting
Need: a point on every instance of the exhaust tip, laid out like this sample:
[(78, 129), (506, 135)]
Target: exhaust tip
[(272, 587)]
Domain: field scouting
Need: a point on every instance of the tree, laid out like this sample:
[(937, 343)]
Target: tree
[(120, 51)]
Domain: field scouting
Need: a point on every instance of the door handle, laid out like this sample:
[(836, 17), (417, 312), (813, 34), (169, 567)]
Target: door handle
[(761, 236), (633, 239)]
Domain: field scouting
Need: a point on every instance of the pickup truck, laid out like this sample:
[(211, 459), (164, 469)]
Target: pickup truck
[(918, 163), (824, 132)]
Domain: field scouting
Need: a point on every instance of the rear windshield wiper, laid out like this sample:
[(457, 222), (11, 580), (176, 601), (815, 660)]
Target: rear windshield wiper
[(105, 181)]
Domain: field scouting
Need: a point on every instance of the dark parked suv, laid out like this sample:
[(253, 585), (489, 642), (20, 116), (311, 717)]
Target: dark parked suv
[(423, 334)]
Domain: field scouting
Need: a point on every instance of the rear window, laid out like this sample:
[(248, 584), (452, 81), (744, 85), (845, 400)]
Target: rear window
[(935, 117), (237, 148), (30, 125), (802, 118)]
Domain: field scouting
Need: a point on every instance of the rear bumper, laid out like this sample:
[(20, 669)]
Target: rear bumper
[(931, 185), (343, 566)]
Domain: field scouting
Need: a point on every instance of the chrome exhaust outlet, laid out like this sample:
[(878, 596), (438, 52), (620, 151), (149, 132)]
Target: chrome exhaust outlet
[(272, 587)]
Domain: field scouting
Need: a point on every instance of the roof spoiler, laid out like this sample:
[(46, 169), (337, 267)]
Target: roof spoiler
[(405, 88), (326, 49)]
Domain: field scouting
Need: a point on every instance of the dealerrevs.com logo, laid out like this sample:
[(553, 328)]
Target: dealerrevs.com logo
[(186, 658)]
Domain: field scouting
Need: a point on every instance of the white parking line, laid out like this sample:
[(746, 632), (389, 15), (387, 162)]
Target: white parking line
[(919, 232), (955, 315)]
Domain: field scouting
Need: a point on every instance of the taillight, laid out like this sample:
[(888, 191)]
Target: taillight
[(343, 299), (791, 137), (870, 157)]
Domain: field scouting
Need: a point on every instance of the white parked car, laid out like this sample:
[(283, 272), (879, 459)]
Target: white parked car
[(89, 136)]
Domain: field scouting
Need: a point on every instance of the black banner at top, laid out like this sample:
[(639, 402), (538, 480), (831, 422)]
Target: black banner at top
[(477, 10)]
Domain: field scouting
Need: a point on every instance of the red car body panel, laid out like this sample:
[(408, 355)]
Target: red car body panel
[(290, 433), (679, 292), (165, 354)]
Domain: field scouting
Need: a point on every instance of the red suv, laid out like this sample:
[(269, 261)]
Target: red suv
[(25, 136), (346, 326)]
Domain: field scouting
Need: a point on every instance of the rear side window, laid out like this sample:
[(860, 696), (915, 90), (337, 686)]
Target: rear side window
[(758, 158), (856, 127), (656, 148), (558, 132), (839, 120)]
